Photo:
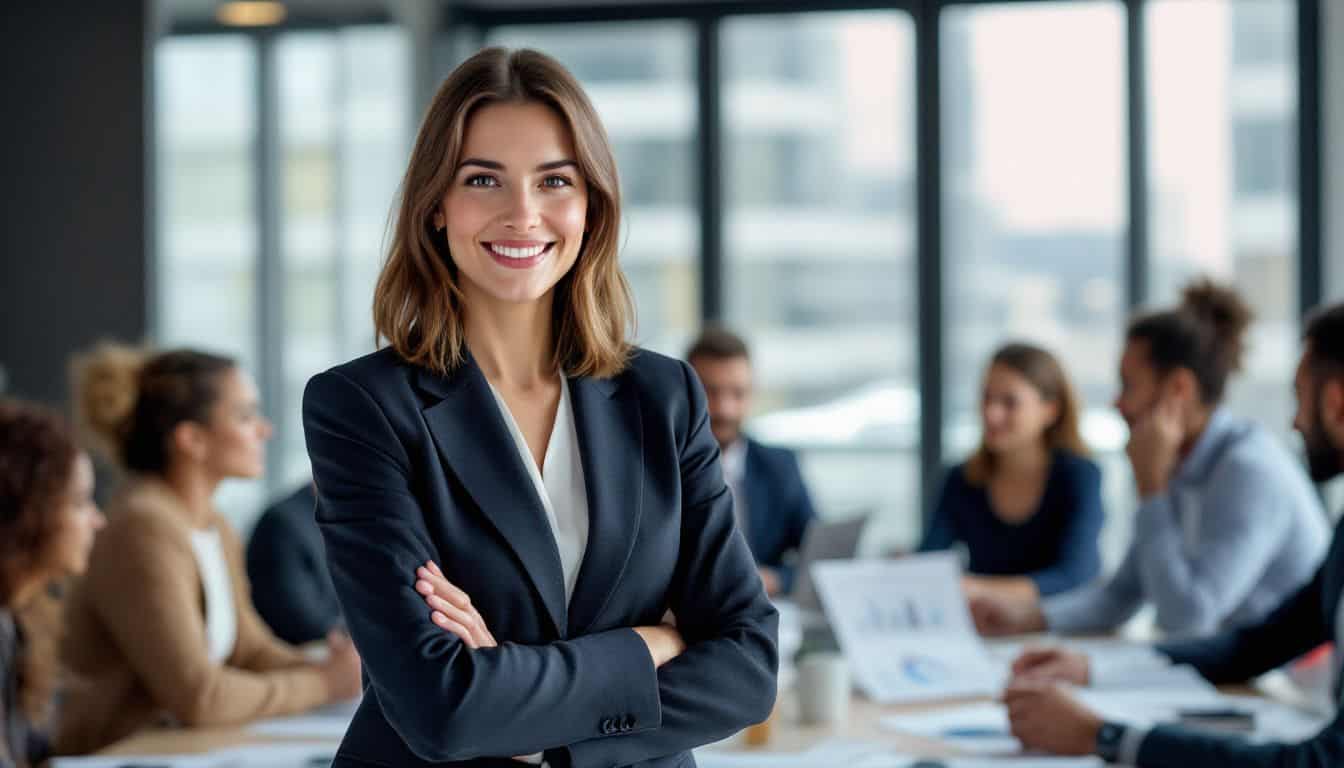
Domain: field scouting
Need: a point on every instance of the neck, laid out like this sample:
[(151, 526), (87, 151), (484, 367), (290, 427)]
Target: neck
[(24, 591), (1194, 428), (1025, 460), (512, 342), (194, 487)]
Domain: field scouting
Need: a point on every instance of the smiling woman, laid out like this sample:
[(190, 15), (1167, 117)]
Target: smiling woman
[(513, 496)]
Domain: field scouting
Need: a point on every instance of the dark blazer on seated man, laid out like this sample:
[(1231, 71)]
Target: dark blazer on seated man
[(287, 566), (770, 501), (412, 467), (1303, 622), (774, 502)]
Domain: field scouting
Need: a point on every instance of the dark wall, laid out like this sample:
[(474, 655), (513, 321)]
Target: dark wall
[(73, 160)]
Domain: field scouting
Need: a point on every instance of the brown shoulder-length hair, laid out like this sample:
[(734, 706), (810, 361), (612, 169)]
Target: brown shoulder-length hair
[(1047, 376), (417, 305)]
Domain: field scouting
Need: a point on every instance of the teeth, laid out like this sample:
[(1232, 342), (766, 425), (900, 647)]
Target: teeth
[(517, 253)]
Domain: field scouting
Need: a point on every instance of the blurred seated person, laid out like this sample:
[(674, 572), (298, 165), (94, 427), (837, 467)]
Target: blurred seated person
[(162, 630), (1228, 523), (287, 566), (770, 500), (1046, 717), (47, 523), (1027, 504)]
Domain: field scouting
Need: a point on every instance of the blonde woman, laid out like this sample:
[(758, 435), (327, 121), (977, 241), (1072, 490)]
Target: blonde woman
[(512, 496), (162, 630)]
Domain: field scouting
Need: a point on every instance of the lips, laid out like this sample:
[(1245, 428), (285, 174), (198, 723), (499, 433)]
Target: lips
[(518, 254)]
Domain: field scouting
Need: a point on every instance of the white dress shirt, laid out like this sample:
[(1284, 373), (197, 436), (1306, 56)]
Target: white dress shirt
[(560, 486), (559, 483), (734, 463), (221, 616)]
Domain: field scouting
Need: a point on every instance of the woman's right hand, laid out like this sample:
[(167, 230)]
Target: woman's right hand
[(451, 608), (341, 670), (664, 641)]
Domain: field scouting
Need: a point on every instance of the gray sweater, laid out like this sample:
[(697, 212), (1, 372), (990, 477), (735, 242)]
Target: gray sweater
[(1239, 529)]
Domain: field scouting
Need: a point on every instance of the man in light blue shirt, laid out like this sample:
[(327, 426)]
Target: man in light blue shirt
[(1228, 523)]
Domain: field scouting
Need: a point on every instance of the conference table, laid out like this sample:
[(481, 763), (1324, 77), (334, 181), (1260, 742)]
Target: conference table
[(783, 733)]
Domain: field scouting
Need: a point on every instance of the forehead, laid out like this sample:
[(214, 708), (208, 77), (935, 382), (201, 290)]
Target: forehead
[(518, 130), (723, 366)]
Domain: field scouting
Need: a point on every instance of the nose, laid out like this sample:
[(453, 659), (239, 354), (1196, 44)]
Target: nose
[(524, 214), (99, 519)]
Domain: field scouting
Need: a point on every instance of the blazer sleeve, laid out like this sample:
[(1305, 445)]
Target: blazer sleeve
[(446, 701), (1079, 558), (285, 592), (1234, 656), (151, 606), (1170, 747), (725, 680)]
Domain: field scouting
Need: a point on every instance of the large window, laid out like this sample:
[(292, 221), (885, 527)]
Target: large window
[(340, 128), (640, 77), (1222, 93), (344, 108), (814, 247), (819, 249), (1034, 194), (206, 275)]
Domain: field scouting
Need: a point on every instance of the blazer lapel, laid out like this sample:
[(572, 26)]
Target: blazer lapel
[(610, 435), (473, 440)]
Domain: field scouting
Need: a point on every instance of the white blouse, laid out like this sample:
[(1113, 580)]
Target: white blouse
[(221, 616), (559, 483)]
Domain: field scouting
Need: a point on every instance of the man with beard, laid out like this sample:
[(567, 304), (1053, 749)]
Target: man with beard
[(770, 499), (1046, 717)]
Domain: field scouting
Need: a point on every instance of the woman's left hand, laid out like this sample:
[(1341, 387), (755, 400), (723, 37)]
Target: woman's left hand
[(451, 608)]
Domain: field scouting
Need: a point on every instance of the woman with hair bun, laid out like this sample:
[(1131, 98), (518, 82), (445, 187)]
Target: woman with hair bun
[(47, 522), (1228, 523), (162, 629)]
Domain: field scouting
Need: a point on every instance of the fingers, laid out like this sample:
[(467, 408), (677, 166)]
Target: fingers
[(469, 620), (451, 607), (448, 624), (1033, 658), (437, 584)]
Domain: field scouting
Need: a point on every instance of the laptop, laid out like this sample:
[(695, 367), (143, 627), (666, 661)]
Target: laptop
[(837, 540)]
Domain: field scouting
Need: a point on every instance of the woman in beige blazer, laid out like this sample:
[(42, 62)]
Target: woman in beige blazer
[(162, 629)]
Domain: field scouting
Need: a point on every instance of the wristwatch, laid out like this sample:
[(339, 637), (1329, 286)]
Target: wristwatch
[(1108, 741)]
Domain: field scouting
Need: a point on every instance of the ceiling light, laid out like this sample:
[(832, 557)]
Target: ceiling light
[(250, 14)]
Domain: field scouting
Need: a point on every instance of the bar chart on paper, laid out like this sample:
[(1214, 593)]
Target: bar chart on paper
[(904, 626)]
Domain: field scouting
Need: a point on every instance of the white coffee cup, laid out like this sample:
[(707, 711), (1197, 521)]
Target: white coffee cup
[(823, 688)]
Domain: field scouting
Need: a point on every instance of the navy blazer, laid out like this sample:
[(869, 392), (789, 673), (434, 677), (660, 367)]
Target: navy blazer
[(778, 506), (1303, 622), (412, 466), (288, 571)]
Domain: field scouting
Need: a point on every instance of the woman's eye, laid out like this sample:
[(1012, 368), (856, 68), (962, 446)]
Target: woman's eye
[(481, 181), (557, 182)]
